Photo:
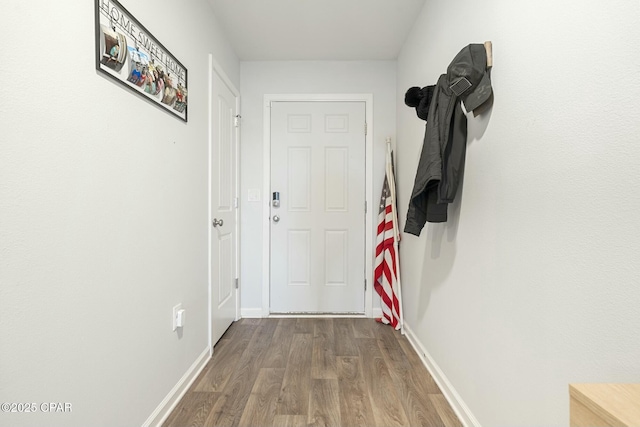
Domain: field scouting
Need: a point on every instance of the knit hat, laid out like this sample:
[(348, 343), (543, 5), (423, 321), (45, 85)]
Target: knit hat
[(420, 99)]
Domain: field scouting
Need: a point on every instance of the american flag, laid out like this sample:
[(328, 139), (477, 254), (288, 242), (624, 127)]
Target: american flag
[(387, 274)]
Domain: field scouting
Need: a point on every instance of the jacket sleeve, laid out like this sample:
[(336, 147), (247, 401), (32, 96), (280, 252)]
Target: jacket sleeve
[(416, 215), (417, 212), (454, 156), (425, 207)]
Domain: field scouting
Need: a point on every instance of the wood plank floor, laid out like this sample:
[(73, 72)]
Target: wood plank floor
[(313, 372)]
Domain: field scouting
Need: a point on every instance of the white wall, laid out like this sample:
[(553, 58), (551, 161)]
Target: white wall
[(534, 281), (260, 78), (103, 215)]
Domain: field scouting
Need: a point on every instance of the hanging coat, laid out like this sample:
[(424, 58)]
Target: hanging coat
[(445, 141), (441, 161)]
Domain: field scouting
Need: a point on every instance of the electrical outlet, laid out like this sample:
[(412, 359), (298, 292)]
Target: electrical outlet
[(175, 316)]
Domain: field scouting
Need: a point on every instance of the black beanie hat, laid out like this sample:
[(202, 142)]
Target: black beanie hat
[(420, 99)]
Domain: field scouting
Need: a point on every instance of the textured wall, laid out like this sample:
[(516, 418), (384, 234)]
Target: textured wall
[(533, 282), (103, 216)]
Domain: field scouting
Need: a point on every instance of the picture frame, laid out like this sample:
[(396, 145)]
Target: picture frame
[(129, 54)]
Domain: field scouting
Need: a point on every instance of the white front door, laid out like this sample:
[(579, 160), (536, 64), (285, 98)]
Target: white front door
[(223, 206), (318, 229)]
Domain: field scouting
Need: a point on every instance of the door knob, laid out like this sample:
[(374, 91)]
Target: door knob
[(217, 222), (276, 218)]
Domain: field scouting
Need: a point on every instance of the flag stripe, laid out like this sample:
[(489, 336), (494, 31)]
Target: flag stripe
[(386, 282)]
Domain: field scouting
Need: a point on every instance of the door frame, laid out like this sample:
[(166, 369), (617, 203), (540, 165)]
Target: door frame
[(367, 98), (214, 67)]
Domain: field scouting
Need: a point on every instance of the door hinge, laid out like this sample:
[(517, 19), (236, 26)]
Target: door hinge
[(365, 207), (236, 120), (235, 202), (365, 284), (236, 283), (365, 128)]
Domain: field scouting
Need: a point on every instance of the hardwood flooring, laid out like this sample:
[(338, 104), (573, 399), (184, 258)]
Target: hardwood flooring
[(313, 372)]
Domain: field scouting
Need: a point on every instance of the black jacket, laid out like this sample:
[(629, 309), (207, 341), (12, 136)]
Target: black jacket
[(441, 162)]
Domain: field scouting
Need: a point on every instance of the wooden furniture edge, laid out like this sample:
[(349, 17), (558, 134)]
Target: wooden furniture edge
[(576, 393)]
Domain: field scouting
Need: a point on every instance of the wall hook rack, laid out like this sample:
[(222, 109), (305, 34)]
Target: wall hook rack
[(488, 47)]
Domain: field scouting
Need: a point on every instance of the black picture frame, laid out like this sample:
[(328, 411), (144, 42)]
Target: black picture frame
[(127, 53)]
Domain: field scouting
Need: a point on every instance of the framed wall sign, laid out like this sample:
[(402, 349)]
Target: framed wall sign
[(128, 53)]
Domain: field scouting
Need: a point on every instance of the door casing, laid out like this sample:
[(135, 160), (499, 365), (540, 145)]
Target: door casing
[(367, 98)]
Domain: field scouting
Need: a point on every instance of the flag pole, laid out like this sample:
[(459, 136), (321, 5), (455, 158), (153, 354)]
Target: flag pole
[(396, 231)]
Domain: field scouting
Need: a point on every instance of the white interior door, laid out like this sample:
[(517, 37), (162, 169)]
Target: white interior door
[(318, 230), (223, 207)]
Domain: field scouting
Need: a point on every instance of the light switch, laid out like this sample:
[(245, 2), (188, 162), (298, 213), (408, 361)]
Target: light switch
[(180, 317), (253, 195)]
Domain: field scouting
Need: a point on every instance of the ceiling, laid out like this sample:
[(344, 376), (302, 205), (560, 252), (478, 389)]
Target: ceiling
[(316, 29)]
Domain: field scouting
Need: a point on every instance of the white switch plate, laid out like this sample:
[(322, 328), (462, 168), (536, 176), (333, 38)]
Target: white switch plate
[(175, 316), (253, 195)]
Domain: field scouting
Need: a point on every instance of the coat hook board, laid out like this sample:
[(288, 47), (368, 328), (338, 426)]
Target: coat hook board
[(489, 48)]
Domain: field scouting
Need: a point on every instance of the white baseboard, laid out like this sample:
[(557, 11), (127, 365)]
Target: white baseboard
[(167, 405), (257, 313), (316, 316), (251, 313), (457, 404)]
